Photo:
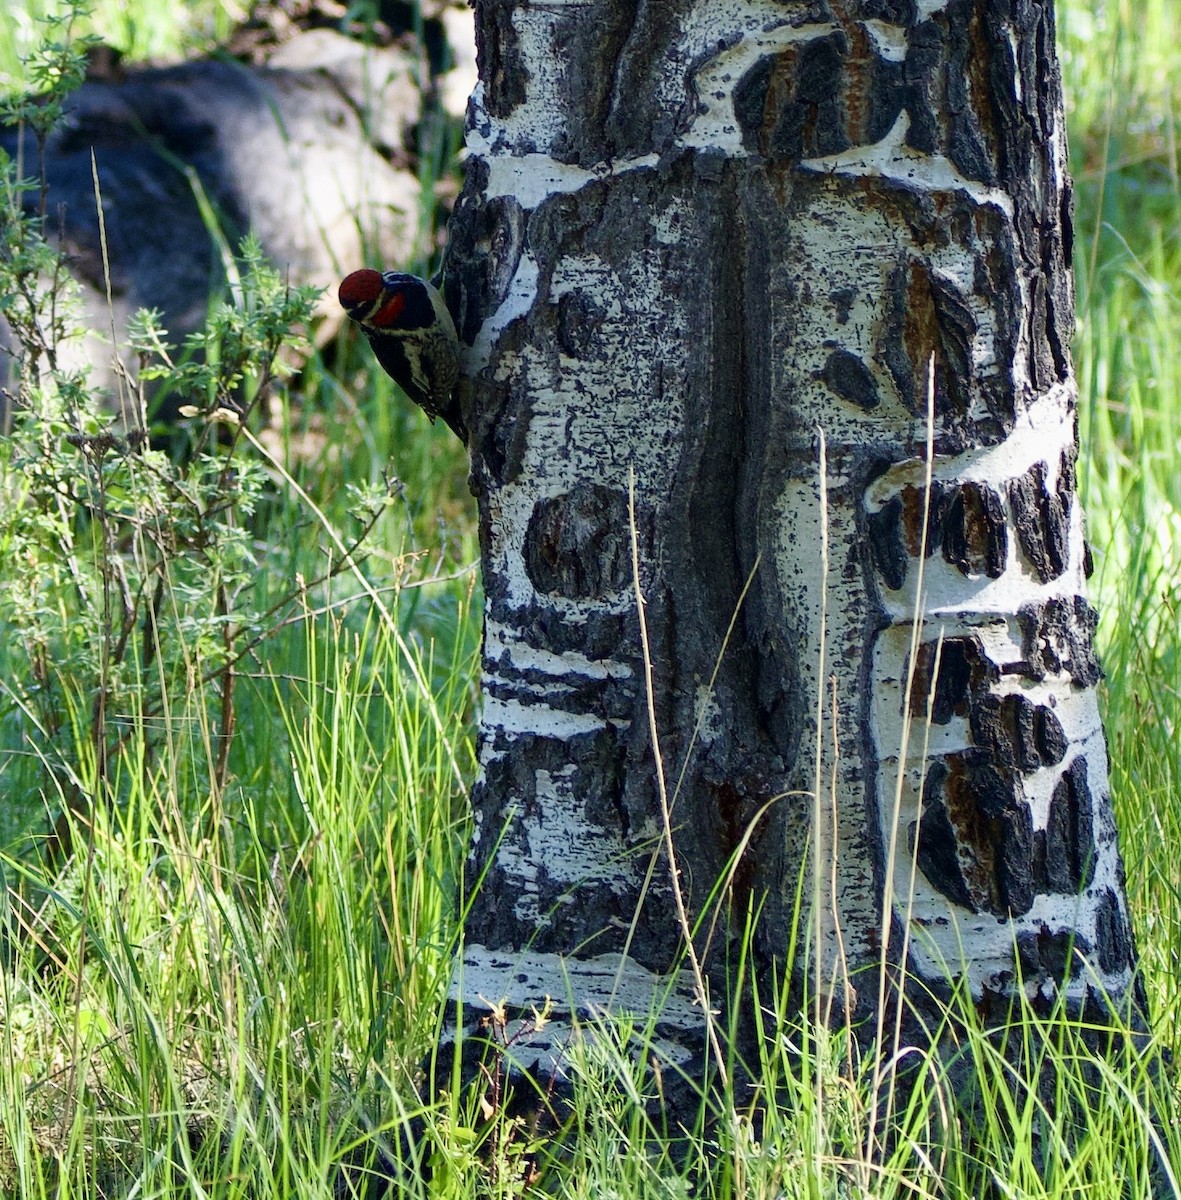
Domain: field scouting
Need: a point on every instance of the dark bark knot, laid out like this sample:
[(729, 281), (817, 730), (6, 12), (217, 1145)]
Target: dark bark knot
[(840, 89), (977, 845), (579, 318), (849, 377), (976, 837), (965, 674), (1054, 954), (485, 252), (578, 545), (792, 105), (966, 521), (1066, 858), (506, 67), (976, 841), (1059, 636), (928, 313), (1041, 515)]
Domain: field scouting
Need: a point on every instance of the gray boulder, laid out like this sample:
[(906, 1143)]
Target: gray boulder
[(288, 151)]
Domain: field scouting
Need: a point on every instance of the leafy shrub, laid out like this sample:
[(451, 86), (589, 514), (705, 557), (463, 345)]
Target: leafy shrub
[(129, 571)]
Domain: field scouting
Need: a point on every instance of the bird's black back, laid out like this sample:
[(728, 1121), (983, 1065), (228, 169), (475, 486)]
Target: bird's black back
[(418, 313)]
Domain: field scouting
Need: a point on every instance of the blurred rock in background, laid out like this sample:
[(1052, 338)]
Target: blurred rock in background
[(307, 136)]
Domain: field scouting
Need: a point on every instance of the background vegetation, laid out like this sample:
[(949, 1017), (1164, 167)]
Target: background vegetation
[(223, 958)]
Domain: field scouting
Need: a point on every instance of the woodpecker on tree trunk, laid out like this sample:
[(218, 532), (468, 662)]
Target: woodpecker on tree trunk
[(412, 335)]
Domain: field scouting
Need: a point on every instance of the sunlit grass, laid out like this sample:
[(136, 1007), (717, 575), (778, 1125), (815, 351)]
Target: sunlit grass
[(140, 29), (1122, 74)]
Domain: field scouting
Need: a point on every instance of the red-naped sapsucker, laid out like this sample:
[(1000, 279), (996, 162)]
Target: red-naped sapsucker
[(412, 335)]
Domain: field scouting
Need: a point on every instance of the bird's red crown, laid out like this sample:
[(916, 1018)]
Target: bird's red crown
[(360, 289)]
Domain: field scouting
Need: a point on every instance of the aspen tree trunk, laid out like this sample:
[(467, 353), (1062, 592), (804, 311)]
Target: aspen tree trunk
[(697, 237)]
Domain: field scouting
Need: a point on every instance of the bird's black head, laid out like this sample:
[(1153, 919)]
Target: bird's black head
[(389, 301)]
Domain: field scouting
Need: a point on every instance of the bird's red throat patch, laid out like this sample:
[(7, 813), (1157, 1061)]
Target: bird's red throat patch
[(390, 311)]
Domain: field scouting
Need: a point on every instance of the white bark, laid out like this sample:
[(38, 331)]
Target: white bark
[(693, 235)]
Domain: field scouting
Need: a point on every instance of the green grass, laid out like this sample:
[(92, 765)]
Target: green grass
[(1123, 72), (233, 988), (139, 30)]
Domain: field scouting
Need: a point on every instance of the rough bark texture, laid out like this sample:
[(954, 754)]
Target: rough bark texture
[(693, 234)]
